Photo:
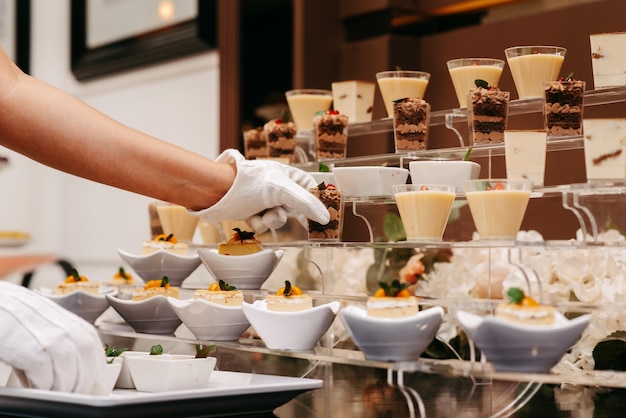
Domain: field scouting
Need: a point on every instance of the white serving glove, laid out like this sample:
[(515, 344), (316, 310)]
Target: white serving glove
[(264, 193), (54, 348)]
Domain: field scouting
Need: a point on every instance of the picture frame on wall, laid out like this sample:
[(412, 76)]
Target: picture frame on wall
[(15, 31), (109, 37)]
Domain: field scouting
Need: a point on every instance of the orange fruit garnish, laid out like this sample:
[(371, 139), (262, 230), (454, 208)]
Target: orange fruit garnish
[(289, 290)]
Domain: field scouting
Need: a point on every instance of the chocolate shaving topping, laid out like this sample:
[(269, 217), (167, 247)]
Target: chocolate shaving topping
[(604, 157)]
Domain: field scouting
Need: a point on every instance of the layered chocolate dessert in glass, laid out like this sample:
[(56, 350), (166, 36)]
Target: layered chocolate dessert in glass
[(563, 107), (411, 118), (330, 196), (331, 134), (487, 113)]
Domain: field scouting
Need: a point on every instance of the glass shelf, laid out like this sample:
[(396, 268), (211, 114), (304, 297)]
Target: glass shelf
[(516, 107), (328, 352)]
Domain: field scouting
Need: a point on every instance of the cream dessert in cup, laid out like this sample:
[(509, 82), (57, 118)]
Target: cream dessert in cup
[(178, 221), (605, 149), (525, 155), (355, 99), (424, 209), (305, 103), (498, 206), (464, 71), (608, 59), (395, 85), (531, 66)]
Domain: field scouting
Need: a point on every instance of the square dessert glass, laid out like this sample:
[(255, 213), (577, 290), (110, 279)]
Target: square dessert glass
[(305, 103), (411, 120), (531, 66), (355, 99), (608, 59), (331, 135), (525, 155), (281, 140), (605, 149), (498, 206), (424, 209), (255, 143), (395, 85), (331, 197), (464, 71), (487, 115), (563, 103)]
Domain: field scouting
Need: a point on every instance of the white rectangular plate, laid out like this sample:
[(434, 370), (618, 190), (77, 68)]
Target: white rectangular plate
[(226, 393)]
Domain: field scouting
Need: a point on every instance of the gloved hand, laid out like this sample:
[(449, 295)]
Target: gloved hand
[(55, 349), (265, 192)]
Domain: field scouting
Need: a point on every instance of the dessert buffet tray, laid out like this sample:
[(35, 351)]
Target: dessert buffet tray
[(227, 394)]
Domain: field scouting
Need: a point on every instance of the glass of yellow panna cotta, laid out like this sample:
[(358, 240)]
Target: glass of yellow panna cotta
[(424, 209), (465, 71), (498, 206), (400, 84), (531, 66)]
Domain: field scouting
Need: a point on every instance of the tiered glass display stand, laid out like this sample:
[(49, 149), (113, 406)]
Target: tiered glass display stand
[(573, 199)]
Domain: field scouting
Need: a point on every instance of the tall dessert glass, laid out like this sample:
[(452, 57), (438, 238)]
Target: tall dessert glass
[(605, 149), (411, 120), (525, 155), (178, 221), (531, 66), (395, 85), (563, 107), (332, 199), (488, 110), (465, 71), (498, 206), (424, 209), (305, 103)]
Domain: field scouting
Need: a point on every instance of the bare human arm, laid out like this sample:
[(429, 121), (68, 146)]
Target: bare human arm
[(58, 130)]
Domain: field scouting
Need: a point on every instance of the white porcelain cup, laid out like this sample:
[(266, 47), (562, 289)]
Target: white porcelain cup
[(451, 172)]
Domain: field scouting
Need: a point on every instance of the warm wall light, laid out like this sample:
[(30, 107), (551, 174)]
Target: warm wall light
[(166, 10), (466, 6)]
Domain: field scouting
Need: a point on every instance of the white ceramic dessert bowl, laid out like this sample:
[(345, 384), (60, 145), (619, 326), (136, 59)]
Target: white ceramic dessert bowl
[(161, 263), (290, 330), (107, 383), (452, 172), (169, 372), (392, 339), (526, 348), (210, 321), (368, 181), (86, 305), (245, 272), (153, 315), (125, 380)]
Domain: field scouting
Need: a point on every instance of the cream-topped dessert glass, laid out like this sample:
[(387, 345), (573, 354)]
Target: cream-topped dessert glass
[(305, 103), (498, 206), (424, 209), (400, 84), (465, 71), (531, 66)]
